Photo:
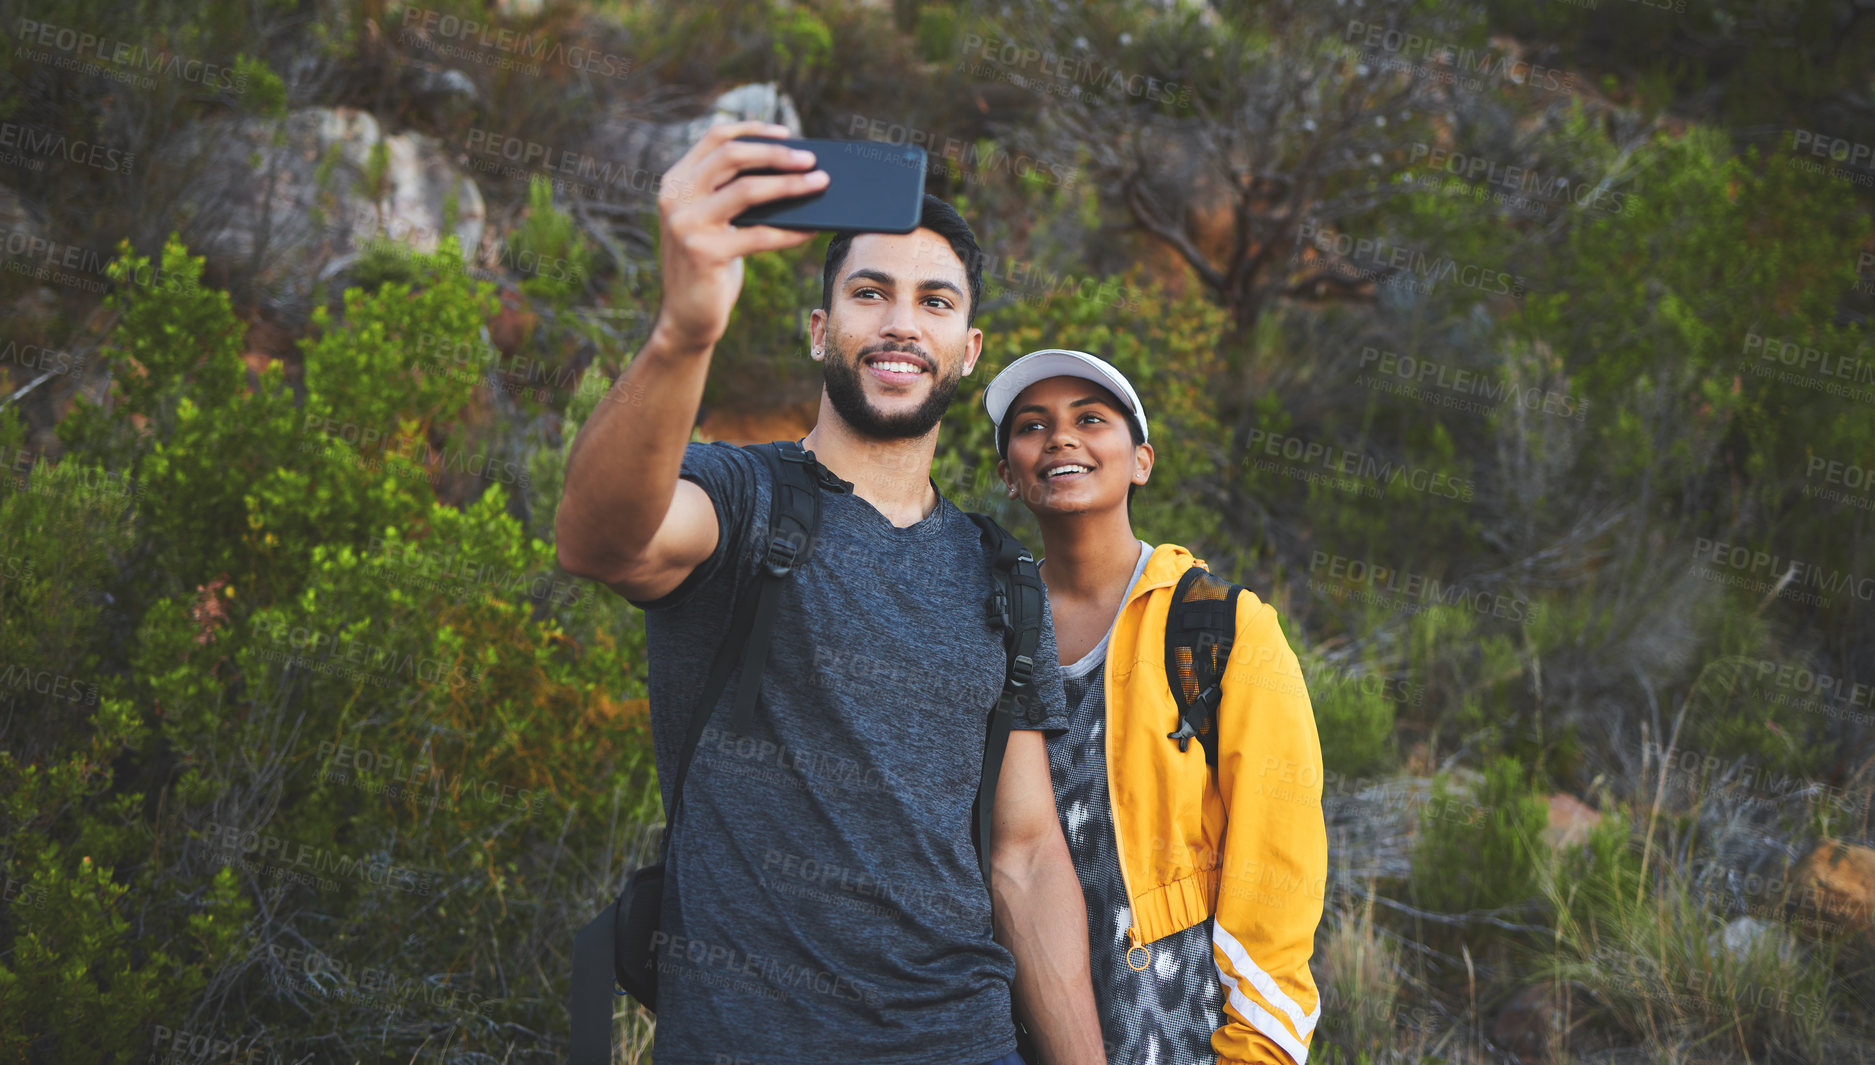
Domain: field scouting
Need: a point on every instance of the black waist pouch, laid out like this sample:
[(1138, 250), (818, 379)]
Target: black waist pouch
[(634, 934)]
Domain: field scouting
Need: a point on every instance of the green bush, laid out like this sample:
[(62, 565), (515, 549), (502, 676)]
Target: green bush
[(100, 944), (550, 249), (373, 718), (1354, 717), (1653, 960), (1478, 849)]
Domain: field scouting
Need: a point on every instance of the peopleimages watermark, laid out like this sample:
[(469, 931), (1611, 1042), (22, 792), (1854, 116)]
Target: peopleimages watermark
[(1811, 360), (1460, 66), (1674, 6), (1363, 468), (1276, 669), (1789, 893), (1761, 571), (18, 142), (1026, 282), (491, 152), (257, 850), (1407, 591), (54, 258), (733, 969), (461, 576), (1397, 264), (83, 481), (471, 361), (20, 895), (468, 39), (1856, 156), (789, 766), (1047, 71), (1792, 362), (396, 777), (182, 1046), (1854, 484), (17, 676), (91, 53), (1802, 688), (963, 159), (41, 359), (824, 881), (1761, 785), (373, 449), (342, 654), (1527, 186), (371, 985), (1445, 385)]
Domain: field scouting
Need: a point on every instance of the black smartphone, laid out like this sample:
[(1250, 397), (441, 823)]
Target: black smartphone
[(871, 188)]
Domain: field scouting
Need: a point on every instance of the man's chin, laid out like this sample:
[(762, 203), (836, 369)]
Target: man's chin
[(885, 411), (897, 408), (906, 424)]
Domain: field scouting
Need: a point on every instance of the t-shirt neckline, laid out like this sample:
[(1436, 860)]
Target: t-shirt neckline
[(930, 525), (1098, 653)]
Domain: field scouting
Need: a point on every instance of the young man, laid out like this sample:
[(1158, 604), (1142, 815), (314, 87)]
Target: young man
[(1204, 885), (825, 902)]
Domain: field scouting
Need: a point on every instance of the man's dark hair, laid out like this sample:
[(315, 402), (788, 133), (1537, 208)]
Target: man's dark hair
[(939, 217)]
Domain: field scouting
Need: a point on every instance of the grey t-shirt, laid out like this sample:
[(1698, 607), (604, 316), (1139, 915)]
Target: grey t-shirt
[(825, 904)]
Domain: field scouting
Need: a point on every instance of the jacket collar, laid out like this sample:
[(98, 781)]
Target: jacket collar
[(1167, 563)]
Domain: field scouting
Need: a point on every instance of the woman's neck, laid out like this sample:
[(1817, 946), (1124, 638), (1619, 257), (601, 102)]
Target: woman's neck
[(1089, 557)]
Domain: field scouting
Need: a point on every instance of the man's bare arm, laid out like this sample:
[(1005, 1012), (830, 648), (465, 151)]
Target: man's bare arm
[(625, 518), (1039, 913)]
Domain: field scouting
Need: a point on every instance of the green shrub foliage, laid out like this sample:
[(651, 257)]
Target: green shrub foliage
[(297, 709)]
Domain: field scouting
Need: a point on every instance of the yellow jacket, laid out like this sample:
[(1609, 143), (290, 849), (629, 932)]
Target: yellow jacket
[(1253, 829)]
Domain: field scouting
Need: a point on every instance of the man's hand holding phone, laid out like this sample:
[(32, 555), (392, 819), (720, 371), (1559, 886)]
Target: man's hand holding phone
[(700, 251)]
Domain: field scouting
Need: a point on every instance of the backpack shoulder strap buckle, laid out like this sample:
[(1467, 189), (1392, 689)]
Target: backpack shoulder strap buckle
[(1021, 671), (782, 551)]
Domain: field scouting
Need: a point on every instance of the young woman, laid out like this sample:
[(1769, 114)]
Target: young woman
[(1204, 884)]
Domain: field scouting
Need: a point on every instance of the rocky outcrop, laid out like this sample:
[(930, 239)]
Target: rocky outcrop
[(1743, 936), (1570, 821), (1837, 882), (277, 206), (645, 150)]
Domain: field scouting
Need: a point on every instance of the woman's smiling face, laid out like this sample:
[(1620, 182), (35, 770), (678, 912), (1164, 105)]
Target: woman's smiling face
[(1071, 448)]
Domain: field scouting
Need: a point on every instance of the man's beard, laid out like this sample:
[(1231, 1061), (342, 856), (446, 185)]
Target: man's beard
[(847, 392)]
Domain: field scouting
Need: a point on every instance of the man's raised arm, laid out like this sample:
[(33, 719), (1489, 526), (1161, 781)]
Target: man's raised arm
[(625, 518)]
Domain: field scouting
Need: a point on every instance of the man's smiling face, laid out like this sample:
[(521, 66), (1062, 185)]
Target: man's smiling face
[(897, 338)]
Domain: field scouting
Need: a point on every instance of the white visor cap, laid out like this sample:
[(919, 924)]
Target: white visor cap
[(1059, 362)]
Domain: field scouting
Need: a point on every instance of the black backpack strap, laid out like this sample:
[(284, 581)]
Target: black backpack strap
[(1200, 627), (1015, 608), (590, 995), (793, 522)]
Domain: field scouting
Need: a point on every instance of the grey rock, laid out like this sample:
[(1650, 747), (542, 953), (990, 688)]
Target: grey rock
[(1743, 935), (277, 205), (643, 150)]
